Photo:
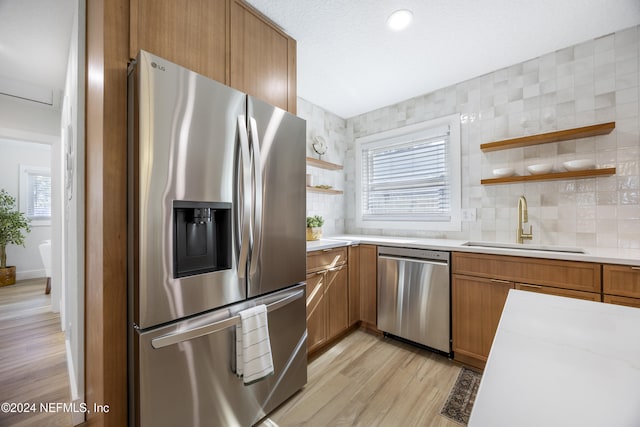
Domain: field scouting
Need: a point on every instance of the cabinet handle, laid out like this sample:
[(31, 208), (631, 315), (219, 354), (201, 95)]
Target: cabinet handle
[(328, 250), (319, 273), (529, 286), (336, 268), (635, 268), (500, 281)]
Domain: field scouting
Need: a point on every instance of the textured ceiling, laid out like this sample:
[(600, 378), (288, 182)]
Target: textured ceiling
[(349, 62)]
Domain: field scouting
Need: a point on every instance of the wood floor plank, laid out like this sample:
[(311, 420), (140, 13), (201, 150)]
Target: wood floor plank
[(33, 366), (367, 380)]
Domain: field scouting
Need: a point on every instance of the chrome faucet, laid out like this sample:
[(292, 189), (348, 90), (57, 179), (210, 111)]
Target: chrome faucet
[(523, 216)]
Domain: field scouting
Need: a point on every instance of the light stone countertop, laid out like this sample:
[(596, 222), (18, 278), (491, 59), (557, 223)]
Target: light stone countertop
[(599, 255), (559, 361)]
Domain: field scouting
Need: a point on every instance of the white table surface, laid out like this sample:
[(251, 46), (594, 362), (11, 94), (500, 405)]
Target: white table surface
[(559, 361)]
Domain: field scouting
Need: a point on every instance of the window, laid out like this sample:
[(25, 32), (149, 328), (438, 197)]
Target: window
[(410, 177), (35, 194)]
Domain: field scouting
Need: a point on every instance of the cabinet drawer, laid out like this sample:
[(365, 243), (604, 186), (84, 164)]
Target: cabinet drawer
[(579, 276), (326, 258), (590, 296), (629, 302), (621, 280)]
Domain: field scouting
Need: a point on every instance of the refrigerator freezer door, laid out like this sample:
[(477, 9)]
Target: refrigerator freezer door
[(278, 254), (185, 374), (183, 139)]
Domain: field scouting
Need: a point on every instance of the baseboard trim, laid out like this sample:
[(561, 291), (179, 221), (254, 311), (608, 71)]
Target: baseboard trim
[(30, 274)]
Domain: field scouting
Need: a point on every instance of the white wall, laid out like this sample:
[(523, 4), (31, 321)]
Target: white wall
[(71, 205), (19, 119), (593, 82), (333, 129), (12, 154)]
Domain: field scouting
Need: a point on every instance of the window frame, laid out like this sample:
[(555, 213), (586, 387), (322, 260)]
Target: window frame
[(453, 165), (25, 171)]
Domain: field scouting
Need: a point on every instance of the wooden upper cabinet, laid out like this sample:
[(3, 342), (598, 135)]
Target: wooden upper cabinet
[(190, 33), (262, 58)]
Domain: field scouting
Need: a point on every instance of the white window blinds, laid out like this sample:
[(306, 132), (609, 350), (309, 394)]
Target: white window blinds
[(39, 195), (406, 178), (35, 193)]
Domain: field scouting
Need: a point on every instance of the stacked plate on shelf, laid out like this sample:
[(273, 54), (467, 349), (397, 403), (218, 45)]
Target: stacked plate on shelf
[(579, 165)]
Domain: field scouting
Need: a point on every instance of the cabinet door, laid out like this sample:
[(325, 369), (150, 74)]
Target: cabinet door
[(623, 280), (337, 297), (354, 284), (629, 302), (262, 58), (477, 305), (190, 33), (326, 258), (368, 284), (316, 311), (590, 296), (579, 276)]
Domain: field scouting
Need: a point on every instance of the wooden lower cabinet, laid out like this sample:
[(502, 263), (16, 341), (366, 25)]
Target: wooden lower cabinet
[(477, 305), (337, 295), (327, 304), (316, 311), (369, 285), (615, 299), (354, 284), (621, 284), (590, 296), (622, 280)]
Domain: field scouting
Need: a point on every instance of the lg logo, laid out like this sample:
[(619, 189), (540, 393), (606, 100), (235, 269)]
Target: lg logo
[(159, 67)]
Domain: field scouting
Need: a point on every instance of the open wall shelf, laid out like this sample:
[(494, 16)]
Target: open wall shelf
[(544, 138), (323, 190), (323, 164), (551, 176)]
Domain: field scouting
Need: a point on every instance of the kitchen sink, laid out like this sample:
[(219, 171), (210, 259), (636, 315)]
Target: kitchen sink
[(521, 246)]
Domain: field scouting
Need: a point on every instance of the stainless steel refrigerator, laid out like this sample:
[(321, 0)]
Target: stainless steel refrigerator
[(216, 225)]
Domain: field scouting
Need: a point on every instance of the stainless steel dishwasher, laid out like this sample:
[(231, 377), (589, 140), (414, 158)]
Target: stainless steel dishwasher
[(413, 296)]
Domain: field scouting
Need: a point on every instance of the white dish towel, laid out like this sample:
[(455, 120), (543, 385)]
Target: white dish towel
[(253, 348)]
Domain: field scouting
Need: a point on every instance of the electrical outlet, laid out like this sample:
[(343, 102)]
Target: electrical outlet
[(469, 215)]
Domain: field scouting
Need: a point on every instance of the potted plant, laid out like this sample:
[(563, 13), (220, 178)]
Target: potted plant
[(314, 227), (13, 226)]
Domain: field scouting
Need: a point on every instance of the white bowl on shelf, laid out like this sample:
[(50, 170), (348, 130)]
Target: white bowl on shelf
[(579, 165), (540, 168), (503, 172)]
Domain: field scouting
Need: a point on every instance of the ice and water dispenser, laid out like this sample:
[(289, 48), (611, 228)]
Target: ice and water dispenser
[(202, 237)]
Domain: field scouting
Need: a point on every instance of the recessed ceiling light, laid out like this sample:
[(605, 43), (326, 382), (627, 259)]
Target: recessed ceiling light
[(400, 19)]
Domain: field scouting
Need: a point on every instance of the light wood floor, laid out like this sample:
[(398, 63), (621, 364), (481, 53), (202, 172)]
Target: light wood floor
[(33, 365), (366, 380)]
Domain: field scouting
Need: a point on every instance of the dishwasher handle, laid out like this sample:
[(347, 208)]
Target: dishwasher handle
[(418, 260), (177, 337)]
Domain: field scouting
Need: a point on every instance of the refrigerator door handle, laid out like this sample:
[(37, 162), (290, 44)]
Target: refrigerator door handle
[(178, 337), (257, 195), (243, 225)]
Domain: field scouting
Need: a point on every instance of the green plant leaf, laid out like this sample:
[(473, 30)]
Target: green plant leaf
[(13, 224)]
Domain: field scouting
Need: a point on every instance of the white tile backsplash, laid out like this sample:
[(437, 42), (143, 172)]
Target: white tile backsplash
[(592, 82)]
